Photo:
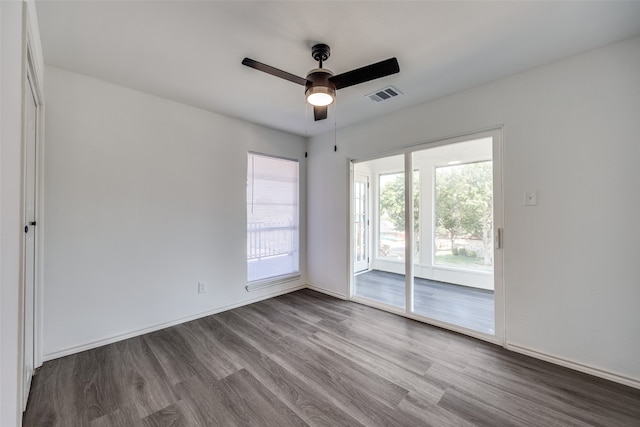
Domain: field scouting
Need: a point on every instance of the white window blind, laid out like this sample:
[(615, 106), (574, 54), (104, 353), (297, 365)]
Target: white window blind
[(272, 219)]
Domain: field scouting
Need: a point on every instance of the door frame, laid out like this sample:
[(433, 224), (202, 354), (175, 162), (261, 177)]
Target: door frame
[(498, 219), (32, 80)]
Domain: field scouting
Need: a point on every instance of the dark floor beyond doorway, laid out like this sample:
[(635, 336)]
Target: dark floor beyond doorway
[(464, 306)]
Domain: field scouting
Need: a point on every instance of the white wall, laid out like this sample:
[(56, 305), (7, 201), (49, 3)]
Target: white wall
[(144, 198), (571, 266)]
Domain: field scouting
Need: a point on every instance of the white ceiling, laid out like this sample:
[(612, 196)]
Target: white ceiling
[(191, 51), (475, 150)]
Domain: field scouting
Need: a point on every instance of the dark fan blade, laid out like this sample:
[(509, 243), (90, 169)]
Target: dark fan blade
[(319, 113), (273, 71), (364, 74)]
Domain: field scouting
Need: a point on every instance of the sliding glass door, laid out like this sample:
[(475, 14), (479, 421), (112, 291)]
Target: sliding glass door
[(384, 281), (433, 234), (453, 276)]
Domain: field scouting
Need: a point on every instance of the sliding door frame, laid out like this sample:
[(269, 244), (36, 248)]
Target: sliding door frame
[(498, 227)]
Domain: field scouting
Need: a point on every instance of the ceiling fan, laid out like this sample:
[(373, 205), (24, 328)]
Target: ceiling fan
[(321, 84)]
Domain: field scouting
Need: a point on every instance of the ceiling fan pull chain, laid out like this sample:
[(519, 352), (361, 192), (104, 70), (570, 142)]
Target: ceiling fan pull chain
[(335, 125)]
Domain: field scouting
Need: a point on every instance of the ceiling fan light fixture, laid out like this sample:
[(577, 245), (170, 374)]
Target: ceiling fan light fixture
[(320, 96)]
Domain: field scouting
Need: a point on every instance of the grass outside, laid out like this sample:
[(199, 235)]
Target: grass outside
[(461, 261)]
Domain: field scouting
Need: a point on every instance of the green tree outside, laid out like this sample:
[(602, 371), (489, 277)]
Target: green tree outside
[(392, 201), (464, 203)]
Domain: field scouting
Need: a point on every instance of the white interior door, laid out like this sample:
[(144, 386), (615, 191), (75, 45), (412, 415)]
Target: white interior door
[(30, 134), (361, 223)]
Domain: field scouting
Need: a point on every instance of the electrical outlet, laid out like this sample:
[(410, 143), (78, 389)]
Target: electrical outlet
[(202, 287)]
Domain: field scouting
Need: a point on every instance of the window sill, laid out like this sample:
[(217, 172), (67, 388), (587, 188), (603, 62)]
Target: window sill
[(273, 281)]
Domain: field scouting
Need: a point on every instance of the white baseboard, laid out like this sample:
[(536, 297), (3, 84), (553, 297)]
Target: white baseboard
[(621, 379), (327, 292), (121, 337)]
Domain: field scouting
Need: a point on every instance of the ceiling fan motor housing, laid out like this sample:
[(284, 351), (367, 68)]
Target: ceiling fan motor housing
[(319, 77), (318, 82)]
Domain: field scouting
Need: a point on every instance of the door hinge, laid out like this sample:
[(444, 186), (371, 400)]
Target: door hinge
[(498, 238)]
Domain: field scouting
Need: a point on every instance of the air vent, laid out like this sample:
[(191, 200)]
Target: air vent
[(384, 94)]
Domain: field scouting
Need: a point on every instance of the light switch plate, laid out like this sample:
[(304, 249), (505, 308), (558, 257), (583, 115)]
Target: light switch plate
[(530, 198)]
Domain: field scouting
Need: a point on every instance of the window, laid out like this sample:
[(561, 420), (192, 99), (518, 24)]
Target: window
[(272, 219), (464, 216), (391, 218)]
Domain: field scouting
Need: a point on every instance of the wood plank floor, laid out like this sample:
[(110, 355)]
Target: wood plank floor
[(309, 359), (464, 306)]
